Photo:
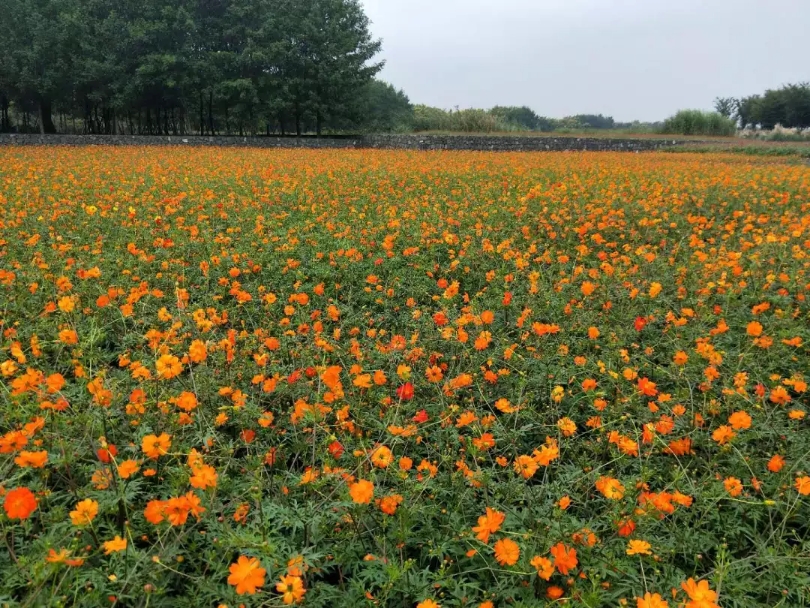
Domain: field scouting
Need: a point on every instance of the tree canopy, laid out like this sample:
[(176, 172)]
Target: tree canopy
[(207, 66), (788, 106)]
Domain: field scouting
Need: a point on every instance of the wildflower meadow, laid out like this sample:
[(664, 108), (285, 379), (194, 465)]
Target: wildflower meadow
[(379, 378)]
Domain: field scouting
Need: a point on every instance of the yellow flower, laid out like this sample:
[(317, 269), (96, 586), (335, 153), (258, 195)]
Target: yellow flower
[(115, 545), (638, 547), (84, 513)]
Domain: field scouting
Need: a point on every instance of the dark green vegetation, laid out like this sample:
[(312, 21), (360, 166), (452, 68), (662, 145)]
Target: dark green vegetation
[(788, 106), (205, 66), (696, 122)]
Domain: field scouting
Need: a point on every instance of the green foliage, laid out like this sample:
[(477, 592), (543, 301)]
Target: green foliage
[(522, 118), (788, 106), (724, 106), (385, 109), (154, 66), (697, 122), (503, 119)]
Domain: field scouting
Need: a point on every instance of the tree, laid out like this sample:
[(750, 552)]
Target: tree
[(161, 66), (747, 110), (384, 108), (724, 106), (522, 118)]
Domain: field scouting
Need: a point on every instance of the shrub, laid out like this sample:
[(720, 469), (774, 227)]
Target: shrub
[(698, 122)]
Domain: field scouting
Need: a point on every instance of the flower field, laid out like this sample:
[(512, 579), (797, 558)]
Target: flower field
[(373, 378)]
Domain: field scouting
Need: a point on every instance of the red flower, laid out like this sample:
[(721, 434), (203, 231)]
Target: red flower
[(20, 503), (335, 449), (421, 416), (105, 455), (640, 323), (405, 392)]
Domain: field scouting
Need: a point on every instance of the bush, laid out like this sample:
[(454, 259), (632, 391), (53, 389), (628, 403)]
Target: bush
[(698, 122)]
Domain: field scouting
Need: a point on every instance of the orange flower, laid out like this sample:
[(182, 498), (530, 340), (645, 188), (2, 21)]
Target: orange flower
[(434, 374), (84, 513), (168, 367), (780, 396), (205, 476), (197, 352), (35, 460), (155, 446), (115, 545), (733, 486), (361, 491), (291, 588), (723, 434), (19, 503), (638, 547), (776, 463), (525, 466), (247, 575), (428, 603), (389, 504), (363, 381), (754, 328), (803, 485), (544, 567), (483, 340), (127, 469), (488, 524), (740, 420), (382, 457), (565, 559), (507, 552), (186, 401), (651, 600), (699, 594), (610, 488), (567, 426), (679, 359)]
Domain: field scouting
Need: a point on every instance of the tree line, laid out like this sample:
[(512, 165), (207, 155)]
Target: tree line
[(186, 66), (788, 106), (506, 119)]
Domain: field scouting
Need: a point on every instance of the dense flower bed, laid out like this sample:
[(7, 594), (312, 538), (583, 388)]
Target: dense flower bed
[(383, 378)]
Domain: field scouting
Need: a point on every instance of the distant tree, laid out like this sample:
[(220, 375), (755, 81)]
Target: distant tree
[(797, 105), (384, 108), (724, 106), (772, 109), (522, 118), (746, 110), (593, 121), (697, 122)]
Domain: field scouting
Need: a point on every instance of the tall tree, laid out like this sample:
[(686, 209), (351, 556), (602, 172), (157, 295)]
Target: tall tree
[(724, 106)]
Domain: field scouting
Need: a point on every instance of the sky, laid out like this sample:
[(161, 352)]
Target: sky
[(630, 59)]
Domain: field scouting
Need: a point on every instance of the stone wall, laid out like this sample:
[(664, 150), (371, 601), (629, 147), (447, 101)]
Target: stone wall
[(398, 142)]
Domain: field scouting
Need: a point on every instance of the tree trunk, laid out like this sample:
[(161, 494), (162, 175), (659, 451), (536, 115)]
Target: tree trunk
[(318, 123), (46, 116), (297, 119), (202, 117), (211, 112), (4, 121)]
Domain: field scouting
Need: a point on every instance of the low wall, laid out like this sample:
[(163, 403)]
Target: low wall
[(397, 142)]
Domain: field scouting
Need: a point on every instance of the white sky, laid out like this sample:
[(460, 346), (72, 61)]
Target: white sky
[(630, 59)]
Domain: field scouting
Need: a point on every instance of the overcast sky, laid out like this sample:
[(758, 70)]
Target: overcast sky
[(631, 59)]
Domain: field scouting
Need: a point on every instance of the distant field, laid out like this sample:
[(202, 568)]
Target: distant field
[(377, 378)]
